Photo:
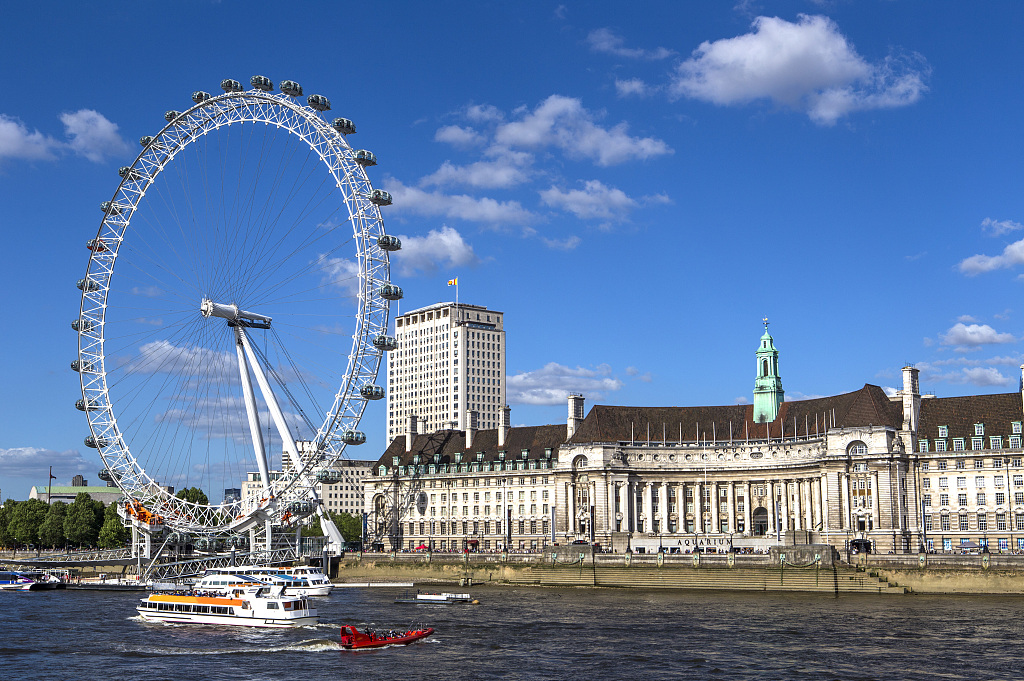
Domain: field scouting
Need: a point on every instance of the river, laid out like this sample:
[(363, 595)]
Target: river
[(532, 633)]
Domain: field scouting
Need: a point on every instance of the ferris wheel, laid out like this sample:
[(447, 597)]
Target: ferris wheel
[(234, 311)]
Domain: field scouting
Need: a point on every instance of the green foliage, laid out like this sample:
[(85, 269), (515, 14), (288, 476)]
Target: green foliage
[(82, 523), (193, 495), (351, 526), (313, 528), (6, 538), (113, 534), (26, 519), (51, 532)]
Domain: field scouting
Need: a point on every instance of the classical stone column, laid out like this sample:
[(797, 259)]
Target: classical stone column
[(663, 500), (808, 504), (874, 501), (771, 507), (622, 491), (747, 509), (698, 508), (681, 507), (648, 507), (784, 520), (846, 516), (715, 525), (732, 506), (823, 496)]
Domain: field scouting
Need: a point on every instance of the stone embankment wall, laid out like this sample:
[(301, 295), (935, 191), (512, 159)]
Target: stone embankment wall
[(795, 572)]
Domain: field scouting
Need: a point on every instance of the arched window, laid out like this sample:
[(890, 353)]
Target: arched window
[(764, 367), (857, 448)]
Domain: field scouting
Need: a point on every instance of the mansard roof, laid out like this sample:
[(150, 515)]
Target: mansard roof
[(447, 443), (997, 412), (864, 407)]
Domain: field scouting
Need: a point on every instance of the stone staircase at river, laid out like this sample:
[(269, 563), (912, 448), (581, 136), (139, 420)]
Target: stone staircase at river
[(826, 579)]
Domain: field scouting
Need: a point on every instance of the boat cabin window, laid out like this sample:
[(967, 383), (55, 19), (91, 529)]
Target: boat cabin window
[(271, 606)]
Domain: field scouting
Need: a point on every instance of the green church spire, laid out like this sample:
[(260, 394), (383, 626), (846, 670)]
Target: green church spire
[(768, 392)]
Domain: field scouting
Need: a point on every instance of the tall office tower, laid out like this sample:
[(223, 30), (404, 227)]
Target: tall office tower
[(450, 359)]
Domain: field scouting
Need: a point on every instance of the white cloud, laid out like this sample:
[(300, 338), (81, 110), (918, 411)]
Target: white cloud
[(18, 143), (594, 201), (340, 273), (162, 356), (564, 123), (1000, 227), (807, 65), (92, 135), (553, 383), (741, 400), (33, 463), (973, 375), (604, 40), (890, 391), (635, 373), (567, 244), (631, 87), (966, 319), (975, 334), (977, 264), (457, 206), (440, 248), (484, 113), (458, 136), (985, 376), (89, 133), (508, 169)]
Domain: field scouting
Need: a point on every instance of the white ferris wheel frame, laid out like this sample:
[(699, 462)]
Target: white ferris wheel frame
[(291, 492)]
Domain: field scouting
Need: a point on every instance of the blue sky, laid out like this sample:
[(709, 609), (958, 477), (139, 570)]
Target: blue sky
[(634, 189)]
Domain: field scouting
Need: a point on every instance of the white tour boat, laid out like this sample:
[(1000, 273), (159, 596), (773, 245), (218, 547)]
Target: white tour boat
[(314, 575), (294, 585), (252, 606)]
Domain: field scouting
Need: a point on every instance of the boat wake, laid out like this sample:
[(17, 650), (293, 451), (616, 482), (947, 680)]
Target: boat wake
[(313, 645)]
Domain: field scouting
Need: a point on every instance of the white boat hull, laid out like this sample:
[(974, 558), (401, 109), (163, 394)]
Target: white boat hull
[(228, 620)]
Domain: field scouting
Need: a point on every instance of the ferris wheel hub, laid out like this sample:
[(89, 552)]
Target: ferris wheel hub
[(208, 309)]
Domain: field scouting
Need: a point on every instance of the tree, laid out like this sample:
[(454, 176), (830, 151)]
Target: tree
[(80, 524), (113, 534), (313, 528), (51, 532), (193, 495), (351, 526), (6, 538), (26, 519)]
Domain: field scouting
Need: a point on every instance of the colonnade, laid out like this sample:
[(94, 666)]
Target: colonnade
[(719, 506)]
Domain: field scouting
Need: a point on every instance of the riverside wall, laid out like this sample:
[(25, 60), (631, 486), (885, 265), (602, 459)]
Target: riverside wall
[(797, 571)]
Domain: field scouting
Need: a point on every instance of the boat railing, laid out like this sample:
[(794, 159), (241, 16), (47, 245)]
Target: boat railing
[(197, 566)]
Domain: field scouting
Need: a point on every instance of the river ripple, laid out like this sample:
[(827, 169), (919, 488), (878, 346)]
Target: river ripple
[(533, 633)]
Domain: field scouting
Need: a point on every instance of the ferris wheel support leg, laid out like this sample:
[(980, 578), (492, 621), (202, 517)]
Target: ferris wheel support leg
[(270, 536), (270, 399), (250, 410), (331, 531)]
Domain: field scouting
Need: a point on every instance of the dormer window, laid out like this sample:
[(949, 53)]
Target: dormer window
[(1015, 426), (525, 454), (943, 431), (479, 456), (501, 455), (979, 428), (395, 460)]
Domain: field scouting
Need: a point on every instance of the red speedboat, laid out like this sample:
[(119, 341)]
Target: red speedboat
[(352, 638)]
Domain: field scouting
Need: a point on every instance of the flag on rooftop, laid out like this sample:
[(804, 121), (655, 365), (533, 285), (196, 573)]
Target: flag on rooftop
[(453, 282)]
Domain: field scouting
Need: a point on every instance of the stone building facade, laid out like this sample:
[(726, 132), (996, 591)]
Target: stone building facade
[(856, 470)]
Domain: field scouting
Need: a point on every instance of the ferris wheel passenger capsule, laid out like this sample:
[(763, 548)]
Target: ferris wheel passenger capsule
[(379, 197), (105, 475), (87, 285), (319, 102), (262, 83), (171, 115), (82, 325), (389, 243), (81, 367), (199, 96), (85, 405), (229, 85), (353, 437), (372, 392), (344, 126), (365, 158), (385, 343), (291, 88), (130, 174), (96, 245), (111, 208), (328, 477), (389, 291), (95, 443)]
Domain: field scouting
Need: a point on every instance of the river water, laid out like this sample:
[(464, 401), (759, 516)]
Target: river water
[(532, 633)]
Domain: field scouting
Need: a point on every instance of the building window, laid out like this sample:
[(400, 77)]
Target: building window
[(943, 431), (979, 480), (1016, 427), (928, 523), (857, 448), (979, 463), (940, 445), (982, 522), (943, 500), (964, 522), (961, 464), (1000, 498), (926, 483), (979, 428), (1015, 443), (923, 446), (1001, 522), (961, 481), (926, 500), (944, 522), (943, 482), (962, 499), (977, 443), (958, 444), (996, 442), (981, 498)]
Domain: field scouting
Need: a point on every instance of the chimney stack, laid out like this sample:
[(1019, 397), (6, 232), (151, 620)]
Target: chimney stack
[(911, 395), (410, 432), (504, 424), (575, 414), (471, 416)]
